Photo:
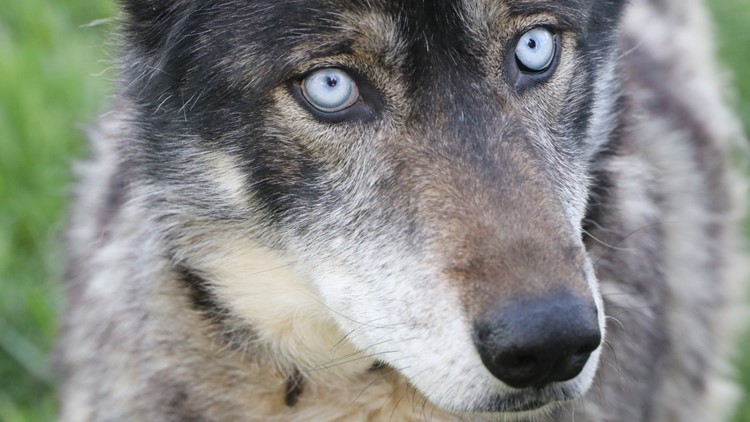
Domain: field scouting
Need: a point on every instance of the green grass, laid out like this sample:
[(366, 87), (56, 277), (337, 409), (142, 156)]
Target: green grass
[(732, 20), (47, 95), (49, 91), (733, 31)]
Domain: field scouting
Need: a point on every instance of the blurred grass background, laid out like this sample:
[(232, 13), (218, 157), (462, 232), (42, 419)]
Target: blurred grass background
[(54, 80), (48, 94)]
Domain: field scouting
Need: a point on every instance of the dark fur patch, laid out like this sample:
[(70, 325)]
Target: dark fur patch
[(201, 297), (232, 332), (116, 197), (295, 386), (178, 406), (377, 366)]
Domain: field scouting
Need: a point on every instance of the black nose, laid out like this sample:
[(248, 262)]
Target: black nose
[(532, 343)]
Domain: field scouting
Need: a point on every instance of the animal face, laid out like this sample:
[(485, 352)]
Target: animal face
[(425, 164)]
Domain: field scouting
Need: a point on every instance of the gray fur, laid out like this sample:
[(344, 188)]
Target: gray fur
[(194, 293)]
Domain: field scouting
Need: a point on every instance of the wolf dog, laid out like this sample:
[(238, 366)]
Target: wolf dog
[(397, 210)]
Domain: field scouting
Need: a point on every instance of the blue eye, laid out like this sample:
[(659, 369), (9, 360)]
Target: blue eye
[(330, 90), (535, 50)]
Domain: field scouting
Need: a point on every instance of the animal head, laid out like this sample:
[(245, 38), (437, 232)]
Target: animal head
[(426, 165)]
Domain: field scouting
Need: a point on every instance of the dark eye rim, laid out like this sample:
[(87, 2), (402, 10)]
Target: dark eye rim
[(363, 108), (522, 78)]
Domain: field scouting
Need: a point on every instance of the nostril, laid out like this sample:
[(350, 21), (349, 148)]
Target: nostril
[(580, 357), (518, 368), (525, 361), (589, 340), (571, 368)]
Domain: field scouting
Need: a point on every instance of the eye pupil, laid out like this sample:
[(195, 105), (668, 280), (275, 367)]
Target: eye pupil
[(532, 44), (331, 82)]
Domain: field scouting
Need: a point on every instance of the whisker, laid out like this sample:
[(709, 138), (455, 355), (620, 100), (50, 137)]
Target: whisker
[(615, 247), (617, 362), (343, 360), (370, 384), (347, 335), (635, 311), (603, 243), (346, 317), (608, 317), (620, 294), (393, 412)]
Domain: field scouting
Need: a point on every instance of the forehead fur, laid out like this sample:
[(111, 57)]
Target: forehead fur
[(211, 30)]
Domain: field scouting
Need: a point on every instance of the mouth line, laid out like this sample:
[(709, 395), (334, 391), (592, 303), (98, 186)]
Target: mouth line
[(527, 401), (509, 406), (528, 407)]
